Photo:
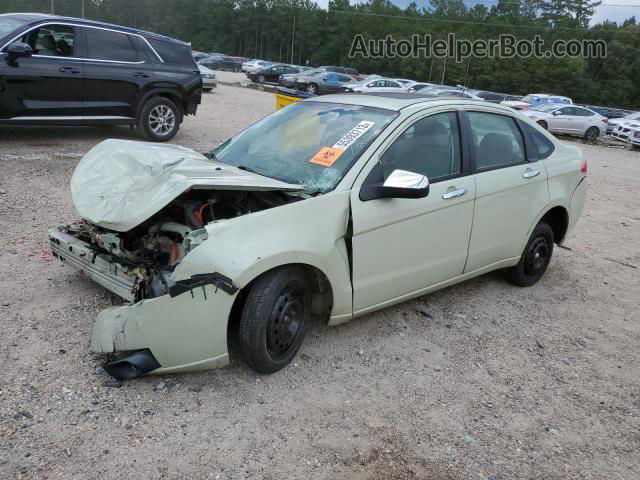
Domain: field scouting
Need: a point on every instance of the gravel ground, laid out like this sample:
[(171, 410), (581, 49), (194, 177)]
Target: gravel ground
[(479, 381)]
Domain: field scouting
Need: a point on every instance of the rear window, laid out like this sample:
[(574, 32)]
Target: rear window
[(173, 53), (108, 45)]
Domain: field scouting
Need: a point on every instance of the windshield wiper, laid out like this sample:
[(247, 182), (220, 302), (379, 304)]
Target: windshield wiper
[(247, 169)]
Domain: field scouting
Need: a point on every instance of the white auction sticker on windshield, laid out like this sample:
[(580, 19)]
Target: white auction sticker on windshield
[(354, 134)]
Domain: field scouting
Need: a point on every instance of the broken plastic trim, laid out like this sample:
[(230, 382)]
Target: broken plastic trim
[(200, 280), (132, 366)]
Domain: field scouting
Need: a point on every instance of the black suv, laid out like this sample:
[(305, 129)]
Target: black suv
[(67, 71)]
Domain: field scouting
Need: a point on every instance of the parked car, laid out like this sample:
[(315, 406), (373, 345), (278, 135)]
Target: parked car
[(346, 70), (252, 65), (209, 80), (68, 71), (327, 209), (417, 86), (622, 126), (290, 80), (570, 120), (610, 113), (222, 62), (320, 83), (536, 99), (634, 138), (446, 92), (377, 85), (271, 73), (489, 96)]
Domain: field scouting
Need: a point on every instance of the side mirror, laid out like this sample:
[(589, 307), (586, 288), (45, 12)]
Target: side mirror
[(557, 112), (19, 49), (400, 184)]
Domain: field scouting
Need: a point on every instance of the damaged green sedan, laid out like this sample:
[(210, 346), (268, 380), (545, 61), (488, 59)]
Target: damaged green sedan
[(330, 208)]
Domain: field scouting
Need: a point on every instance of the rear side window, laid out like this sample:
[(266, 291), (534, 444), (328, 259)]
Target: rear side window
[(539, 147), (108, 45), (498, 141), (173, 53)]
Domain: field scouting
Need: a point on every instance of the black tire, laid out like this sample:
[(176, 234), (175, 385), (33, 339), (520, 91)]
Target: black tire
[(159, 119), (535, 258), (543, 124), (261, 79), (312, 88), (279, 297), (592, 133)]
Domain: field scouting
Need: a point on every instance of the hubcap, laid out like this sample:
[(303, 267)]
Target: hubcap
[(162, 120), (537, 256), (286, 321)]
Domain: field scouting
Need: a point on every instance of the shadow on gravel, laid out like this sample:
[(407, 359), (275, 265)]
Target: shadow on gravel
[(40, 135)]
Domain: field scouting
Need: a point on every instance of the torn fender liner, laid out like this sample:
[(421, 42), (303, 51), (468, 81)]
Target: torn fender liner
[(200, 280), (132, 366)]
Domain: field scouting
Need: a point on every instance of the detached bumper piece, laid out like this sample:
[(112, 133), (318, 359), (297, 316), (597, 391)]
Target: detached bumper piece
[(81, 256), (132, 365)]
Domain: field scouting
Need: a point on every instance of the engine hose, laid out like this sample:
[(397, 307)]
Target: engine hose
[(190, 216)]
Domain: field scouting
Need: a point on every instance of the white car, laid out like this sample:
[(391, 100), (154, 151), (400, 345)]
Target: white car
[(446, 92), (634, 138), (621, 128), (537, 99), (569, 119), (377, 85), (254, 65), (209, 80)]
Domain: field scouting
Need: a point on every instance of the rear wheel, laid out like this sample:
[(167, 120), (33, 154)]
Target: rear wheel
[(543, 124), (261, 79), (275, 318), (159, 119), (312, 88), (535, 258), (592, 133)]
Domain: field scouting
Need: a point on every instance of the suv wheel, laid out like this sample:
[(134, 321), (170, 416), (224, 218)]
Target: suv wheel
[(159, 119)]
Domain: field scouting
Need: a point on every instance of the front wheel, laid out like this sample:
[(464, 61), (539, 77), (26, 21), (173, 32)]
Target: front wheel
[(535, 258), (592, 133), (159, 119), (275, 318), (261, 79), (312, 88)]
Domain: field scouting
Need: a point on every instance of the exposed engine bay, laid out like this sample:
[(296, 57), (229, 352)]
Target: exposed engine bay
[(146, 256)]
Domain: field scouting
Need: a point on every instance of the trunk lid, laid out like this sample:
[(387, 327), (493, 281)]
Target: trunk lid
[(121, 183)]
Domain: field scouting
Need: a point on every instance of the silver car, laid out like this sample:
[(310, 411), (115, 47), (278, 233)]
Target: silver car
[(209, 80)]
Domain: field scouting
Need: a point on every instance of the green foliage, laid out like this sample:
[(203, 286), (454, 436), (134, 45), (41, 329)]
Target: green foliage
[(265, 29)]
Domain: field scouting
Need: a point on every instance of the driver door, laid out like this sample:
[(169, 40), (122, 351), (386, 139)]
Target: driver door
[(560, 121), (403, 246)]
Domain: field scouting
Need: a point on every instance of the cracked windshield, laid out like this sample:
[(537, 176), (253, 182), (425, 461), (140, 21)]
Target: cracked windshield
[(310, 143)]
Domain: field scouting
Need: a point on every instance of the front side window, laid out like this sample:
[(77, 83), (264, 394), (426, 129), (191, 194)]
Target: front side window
[(313, 144), (108, 45), (498, 141), (430, 147), (51, 41)]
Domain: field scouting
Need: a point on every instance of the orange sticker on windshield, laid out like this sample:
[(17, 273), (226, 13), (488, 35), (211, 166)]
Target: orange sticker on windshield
[(327, 156)]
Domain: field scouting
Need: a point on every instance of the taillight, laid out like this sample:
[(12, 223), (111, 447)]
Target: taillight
[(583, 167)]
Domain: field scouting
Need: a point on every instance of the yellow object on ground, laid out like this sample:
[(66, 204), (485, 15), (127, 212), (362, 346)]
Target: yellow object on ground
[(283, 100)]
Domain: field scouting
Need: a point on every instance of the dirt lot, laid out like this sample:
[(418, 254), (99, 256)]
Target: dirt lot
[(479, 381)]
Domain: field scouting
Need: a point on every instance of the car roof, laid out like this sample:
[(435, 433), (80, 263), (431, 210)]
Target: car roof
[(35, 18), (399, 101)]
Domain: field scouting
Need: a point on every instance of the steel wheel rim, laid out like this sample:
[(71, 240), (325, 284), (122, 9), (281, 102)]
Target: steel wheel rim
[(537, 256), (286, 321), (162, 120)]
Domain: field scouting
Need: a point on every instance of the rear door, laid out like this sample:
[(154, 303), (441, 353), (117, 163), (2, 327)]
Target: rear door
[(511, 190), (47, 85), (115, 72)]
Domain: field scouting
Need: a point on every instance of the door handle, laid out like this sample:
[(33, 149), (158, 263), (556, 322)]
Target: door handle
[(531, 173), (140, 75), (69, 70), (454, 193)]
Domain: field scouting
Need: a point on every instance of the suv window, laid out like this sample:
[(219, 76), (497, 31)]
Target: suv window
[(498, 142), (431, 147), (107, 45), (51, 41), (539, 147), (173, 53)]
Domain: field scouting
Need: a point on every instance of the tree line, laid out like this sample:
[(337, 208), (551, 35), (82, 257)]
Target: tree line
[(299, 31)]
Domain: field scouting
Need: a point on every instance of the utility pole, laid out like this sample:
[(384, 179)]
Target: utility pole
[(444, 70), (293, 36), (53, 7), (83, 8)]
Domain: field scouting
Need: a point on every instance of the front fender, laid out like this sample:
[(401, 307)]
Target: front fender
[(310, 231)]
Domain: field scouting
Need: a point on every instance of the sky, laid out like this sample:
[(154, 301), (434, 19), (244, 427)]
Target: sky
[(603, 12)]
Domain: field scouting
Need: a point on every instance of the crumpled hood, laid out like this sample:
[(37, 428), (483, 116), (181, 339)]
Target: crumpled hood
[(119, 184)]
